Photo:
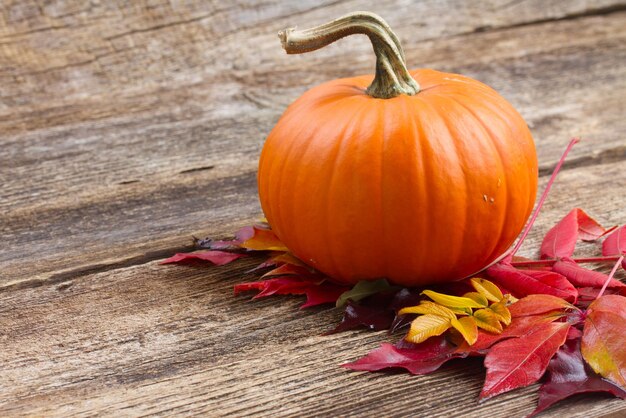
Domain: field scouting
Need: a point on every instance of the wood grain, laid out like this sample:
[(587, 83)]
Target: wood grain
[(127, 127), (171, 339)]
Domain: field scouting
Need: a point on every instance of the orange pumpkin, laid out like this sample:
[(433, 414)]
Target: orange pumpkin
[(422, 177)]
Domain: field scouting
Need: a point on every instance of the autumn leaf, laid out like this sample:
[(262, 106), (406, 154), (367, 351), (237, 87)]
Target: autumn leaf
[(519, 327), (218, 258), (362, 290), (415, 358), (539, 304), (426, 326), (374, 312), (615, 243), (426, 307), (582, 277), (486, 288), (467, 327), (501, 311), (294, 270), (317, 292), (604, 338), (263, 240), (374, 318), (487, 320), (528, 282), (456, 302), (519, 362), (567, 376), (477, 297), (560, 241)]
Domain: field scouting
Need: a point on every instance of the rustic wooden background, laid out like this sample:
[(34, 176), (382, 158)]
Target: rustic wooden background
[(126, 127)]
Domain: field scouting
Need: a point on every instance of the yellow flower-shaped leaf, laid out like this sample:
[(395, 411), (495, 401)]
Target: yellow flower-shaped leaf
[(487, 289), (426, 307), (467, 328), (458, 302), (487, 320), (478, 298), (426, 326)]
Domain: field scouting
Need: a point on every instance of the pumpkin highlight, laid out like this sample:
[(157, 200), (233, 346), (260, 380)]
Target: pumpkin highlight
[(426, 182)]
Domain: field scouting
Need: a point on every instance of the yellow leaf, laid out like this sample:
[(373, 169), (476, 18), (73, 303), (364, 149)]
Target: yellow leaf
[(428, 307), (487, 320), (510, 299), (426, 326), (451, 301), (478, 298), (264, 240), (487, 289), (501, 311), (467, 328)]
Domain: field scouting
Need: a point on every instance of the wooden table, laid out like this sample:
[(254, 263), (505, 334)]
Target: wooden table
[(127, 128)]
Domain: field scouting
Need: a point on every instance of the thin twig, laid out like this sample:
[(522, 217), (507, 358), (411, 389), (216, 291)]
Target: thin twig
[(544, 195)]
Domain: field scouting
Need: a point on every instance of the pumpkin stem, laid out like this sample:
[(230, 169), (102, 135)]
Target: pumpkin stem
[(392, 77)]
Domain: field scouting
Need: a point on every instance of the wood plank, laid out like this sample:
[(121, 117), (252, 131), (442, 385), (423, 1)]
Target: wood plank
[(152, 339), (106, 175)]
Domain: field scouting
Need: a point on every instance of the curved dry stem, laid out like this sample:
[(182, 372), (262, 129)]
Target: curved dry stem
[(392, 77)]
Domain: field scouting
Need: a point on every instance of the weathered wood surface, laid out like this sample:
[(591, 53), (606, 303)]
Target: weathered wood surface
[(126, 128)]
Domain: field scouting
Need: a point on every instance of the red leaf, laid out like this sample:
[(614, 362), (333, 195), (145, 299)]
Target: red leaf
[(416, 358), (581, 277), (520, 326), (537, 305), (567, 376), (317, 293), (560, 241), (604, 338), (528, 282), (219, 258), (520, 362), (376, 317), (615, 243)]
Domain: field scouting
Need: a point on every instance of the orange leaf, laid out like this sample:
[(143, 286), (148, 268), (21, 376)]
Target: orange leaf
[(264, 240), (604, 338)]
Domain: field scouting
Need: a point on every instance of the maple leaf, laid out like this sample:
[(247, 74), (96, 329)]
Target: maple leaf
[(528, 282), (421, 358), (519, 362), (567, 376), (218, 258), (615, 244), (604, 338), (560, 241), (317, 292)]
